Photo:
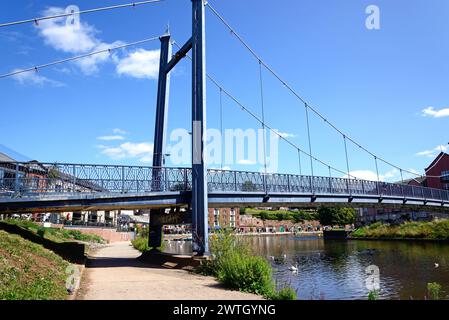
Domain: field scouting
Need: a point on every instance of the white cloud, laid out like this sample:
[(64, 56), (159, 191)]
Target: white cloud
[(219, 168), (33, 78), (111, 138), (119, 131), (371, 175), (142, 151), (431, 112), (89, 65), (76, 38), (140, 64), (287, 135), (137, 149), (432, 153), (246, 162)]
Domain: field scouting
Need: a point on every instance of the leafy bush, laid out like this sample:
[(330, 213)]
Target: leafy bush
[(140, 244), (434, 290), (284, 294), (373, 295), (141, 241), (233, 263), (246, 273)]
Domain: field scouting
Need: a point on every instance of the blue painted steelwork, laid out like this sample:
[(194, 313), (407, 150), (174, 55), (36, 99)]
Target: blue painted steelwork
[(24, 185), (199, 167), (160, 130)]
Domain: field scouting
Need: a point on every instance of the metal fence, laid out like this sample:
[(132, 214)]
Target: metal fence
[(32, 178)]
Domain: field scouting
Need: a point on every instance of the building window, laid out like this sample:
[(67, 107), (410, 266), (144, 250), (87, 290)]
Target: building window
[(232, 218), (445, 176), (216, 218)]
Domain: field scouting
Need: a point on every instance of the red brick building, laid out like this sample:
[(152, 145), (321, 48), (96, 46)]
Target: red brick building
[(220, 218), (437, 176), (438, 173)]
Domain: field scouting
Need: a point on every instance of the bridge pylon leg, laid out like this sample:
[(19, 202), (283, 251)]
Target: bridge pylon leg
[(199, 167), (155, 232)]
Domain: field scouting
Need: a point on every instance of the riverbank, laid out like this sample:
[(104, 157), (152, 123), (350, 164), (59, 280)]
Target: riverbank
[(426, 231), (29, 271), (114, 273), (176, 237)]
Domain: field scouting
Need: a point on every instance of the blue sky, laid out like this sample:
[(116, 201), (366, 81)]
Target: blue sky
[(386, 88)]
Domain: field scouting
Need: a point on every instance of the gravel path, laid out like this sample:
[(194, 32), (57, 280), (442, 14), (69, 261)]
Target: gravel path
[(113, 273)]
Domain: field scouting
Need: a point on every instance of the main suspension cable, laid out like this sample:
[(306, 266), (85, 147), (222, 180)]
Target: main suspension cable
[(36, 68), (296, 94), (36, 20), (252, 114)]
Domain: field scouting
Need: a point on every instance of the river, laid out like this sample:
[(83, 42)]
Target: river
[(335, 269)]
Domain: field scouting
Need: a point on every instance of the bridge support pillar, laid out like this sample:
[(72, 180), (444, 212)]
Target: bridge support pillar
[(199, 168), (158, 184)]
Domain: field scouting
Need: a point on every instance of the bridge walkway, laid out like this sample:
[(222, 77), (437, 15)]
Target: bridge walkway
[(114, 273)]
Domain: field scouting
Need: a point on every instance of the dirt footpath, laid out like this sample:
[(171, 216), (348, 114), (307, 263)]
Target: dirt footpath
[(113, 273)]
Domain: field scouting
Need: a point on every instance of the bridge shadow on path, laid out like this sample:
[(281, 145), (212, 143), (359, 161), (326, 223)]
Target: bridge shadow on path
[(146, 260)]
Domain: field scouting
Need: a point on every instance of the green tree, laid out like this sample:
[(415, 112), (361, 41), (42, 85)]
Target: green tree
[(264, 215), (248, 186), (336, 216)]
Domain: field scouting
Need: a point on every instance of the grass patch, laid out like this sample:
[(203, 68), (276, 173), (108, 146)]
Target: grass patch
[(434, 230), (30, 272), (56, 234), (234, 265)]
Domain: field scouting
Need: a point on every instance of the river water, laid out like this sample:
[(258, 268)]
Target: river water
[(335, 269)]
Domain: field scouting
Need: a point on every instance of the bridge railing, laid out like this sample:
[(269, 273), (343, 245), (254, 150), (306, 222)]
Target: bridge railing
[(242, 181), (36, 178), (30, 178)]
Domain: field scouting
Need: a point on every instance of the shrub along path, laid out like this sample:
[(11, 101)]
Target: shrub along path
[(113, 272)]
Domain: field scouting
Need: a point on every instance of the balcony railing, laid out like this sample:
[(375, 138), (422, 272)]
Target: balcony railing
[(31, 179)]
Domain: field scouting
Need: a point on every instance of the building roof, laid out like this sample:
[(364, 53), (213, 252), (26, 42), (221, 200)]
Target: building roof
[(436, 160), (5, 158), (420, 180), (7, 154)]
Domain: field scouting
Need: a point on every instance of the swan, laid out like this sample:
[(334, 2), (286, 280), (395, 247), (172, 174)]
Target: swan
[(437, 265), (294, 268)]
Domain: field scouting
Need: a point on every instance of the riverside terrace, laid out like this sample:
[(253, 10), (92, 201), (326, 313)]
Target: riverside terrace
[(45, 187)]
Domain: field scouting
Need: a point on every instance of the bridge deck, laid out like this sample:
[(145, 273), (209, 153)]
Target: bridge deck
[(38, 187)]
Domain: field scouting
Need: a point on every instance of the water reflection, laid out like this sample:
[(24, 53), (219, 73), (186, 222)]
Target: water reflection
[(336, 269)]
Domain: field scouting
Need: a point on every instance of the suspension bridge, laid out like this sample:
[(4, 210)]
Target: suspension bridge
[(59, 187)]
